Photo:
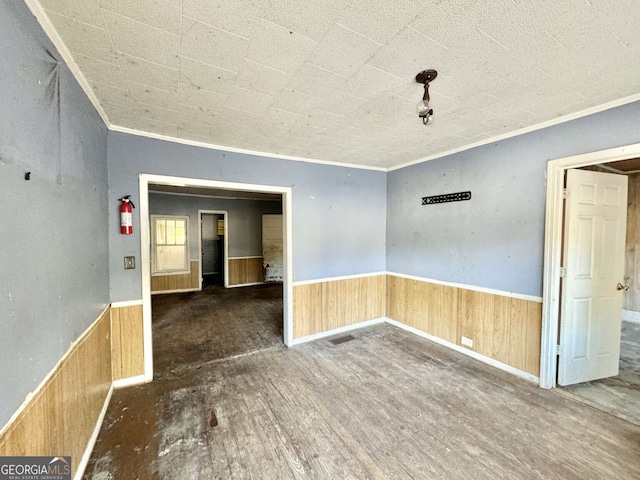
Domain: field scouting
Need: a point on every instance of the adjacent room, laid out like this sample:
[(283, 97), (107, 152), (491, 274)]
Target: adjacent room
[(216, 274), (320, 239)]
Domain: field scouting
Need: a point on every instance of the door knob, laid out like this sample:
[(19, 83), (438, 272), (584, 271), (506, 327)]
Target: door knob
[(622, 287)]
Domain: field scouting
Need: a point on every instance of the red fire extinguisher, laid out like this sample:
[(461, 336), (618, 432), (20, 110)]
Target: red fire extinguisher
[(126, 215)]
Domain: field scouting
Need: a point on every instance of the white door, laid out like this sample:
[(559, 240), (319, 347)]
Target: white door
[(272, 248), (594, 241)]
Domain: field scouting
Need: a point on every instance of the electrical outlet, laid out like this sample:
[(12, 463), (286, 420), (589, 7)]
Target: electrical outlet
[(467, 342), (129, 263)]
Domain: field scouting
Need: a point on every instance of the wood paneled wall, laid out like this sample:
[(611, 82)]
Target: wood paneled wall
[(631, 299), (127, 344), (245, 270), (61, 417), (323, 306), (503, 328), (169, 283)]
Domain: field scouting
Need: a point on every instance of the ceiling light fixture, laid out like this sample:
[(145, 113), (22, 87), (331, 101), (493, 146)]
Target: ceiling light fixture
[(425, 112)]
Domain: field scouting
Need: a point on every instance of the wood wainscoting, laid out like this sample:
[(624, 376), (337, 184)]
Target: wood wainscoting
[(127, 342), (245, 271), (62, 417), (328, 305), (503, 328), (177, 283), (631, 298)]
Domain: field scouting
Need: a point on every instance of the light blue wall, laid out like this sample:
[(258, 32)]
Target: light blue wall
[(54, 256), (338, 212), (244, 219), (495, 240)]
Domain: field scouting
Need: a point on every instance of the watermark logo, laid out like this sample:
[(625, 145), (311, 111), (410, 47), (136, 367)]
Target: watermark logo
[(35, 468)]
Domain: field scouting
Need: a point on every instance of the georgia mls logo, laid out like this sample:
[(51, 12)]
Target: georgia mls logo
[(64, 464), (35, 468)]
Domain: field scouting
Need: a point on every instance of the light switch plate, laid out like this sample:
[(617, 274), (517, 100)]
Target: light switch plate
[(129, 263)]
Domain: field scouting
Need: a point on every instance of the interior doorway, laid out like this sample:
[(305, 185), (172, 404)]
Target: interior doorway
[(553, 258), (618, 394), (613, 382), (552, 298), (232, 191), (213, 248)]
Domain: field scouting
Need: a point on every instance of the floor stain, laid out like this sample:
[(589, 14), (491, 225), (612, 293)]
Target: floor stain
[(190, 332), (214, 420)]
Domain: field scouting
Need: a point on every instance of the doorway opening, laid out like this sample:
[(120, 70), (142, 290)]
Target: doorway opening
[(213, 248), (624, 387), (214, 264)]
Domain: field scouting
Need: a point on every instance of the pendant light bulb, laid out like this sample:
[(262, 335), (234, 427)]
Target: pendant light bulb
[(423, 109), (425, 112)]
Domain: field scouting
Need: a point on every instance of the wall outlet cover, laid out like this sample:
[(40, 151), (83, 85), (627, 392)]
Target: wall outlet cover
[(467, 342), (129, 263)]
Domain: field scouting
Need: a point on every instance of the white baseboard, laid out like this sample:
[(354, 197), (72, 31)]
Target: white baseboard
[(631, 316), (337, 331), (94, 436), (469, 353), (181, 290), (130, 381), (245, 284)]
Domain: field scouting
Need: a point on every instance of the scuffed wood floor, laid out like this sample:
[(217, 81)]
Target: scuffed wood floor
[(386, 405), (193, 328)]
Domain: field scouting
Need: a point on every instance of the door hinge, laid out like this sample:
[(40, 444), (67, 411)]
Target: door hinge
[(564, 193), (558, 350), (563, 272)]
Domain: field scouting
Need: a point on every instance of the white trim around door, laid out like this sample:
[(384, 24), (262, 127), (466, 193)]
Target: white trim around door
[(145, 249), (553, 249)]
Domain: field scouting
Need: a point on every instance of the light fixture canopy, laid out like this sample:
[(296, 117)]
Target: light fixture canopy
[(424, 110)]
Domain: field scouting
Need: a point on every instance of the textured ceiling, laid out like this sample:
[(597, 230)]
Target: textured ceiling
[(334, 80)]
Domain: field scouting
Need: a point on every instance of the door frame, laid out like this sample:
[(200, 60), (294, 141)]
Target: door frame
[(225, 261), (145, 250), (553, 249)]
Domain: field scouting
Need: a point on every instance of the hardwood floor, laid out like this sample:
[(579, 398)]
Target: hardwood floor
[(385, 405), (190, 329)]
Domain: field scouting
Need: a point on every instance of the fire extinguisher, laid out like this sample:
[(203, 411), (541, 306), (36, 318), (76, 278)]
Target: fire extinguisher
[(126, 215)]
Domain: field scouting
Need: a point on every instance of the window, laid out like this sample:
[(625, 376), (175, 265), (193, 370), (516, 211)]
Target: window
[(170, 250)]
